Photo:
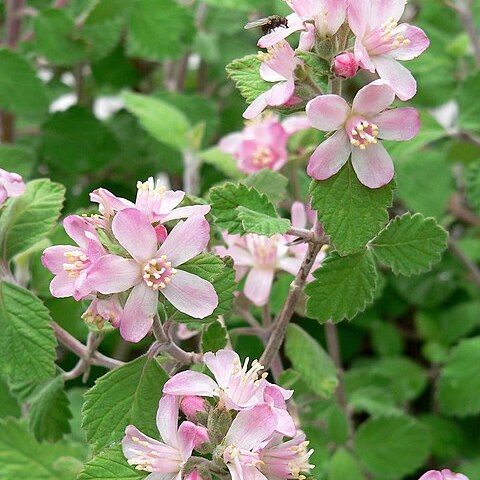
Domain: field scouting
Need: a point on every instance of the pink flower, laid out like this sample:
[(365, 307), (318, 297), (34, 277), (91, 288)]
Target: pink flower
[(153, 270), (160, 204), (315, 18), (250, 429), (263, 143), (381, 42), (163, 459), (11, 185), (357, 130), (443, 475), (71, 264), (345, 65), (103, 310), (278, 66)]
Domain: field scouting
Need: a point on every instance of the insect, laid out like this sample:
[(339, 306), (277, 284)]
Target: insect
[(268, 24)]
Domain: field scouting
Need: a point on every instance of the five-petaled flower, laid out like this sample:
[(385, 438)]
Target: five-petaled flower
[(11, 185), (153, 269), (357, 131), (381, 42)]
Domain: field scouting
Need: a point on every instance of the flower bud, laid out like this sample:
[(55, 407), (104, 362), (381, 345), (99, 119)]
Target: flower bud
[(346, 65), (191, 405)]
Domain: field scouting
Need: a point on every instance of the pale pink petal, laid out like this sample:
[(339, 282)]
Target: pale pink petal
[(358, 16), (285, 424), (373, 166), (290, 264), (400, 78), (190, 383), (185, 212), (384, 10), (307, 38), (256, 107), (186, 240), (63, 285), (231, 142), (327, 112), (161, 233), (299, 215), (419, 42), (305, 9), (170, 200), (449, 475), (280, 93), (164, 476), (135, 234), (109, 202), (241, 256), (3, 194), (191, 294), (137, 317), (82, 287), (336, 12), (432, 475), (258, 285), (187, 434), (76, 228), (113, 274), (53, 258), (12, 183), (398, 124), (251, 427), (373, 98), (294, 23), (131, 447), (330, 156), (167, 419), (295, 123), (221, 364), (269, 74), (362, 55)]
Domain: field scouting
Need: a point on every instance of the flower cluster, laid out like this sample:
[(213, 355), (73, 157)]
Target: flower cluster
[(125, 258), (380, 42), (11, 185), (237, 417)]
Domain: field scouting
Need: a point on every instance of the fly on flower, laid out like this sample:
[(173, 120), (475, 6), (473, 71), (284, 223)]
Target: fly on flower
[(268, 24)]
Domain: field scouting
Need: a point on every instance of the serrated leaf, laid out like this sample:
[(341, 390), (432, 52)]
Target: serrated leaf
[(223, 162), (343, 287), (27, 343), (245, 72), (392, 447), (459, 382), (50, 412), (472, 183), (30, 217), (163, 121), (311, 361), (410, 245), (21, 91), (110, 465), (124, 396), (350, 213), (344, 466), (214, 337), (241, 209), (272, 184), (219, 272)]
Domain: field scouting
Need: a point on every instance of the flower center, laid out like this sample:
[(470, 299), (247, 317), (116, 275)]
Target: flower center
[(386, 38), (150, 195), (246, 458), (361, 132), (76, 261), (155, 457), (264, 249), (157, 272), (262, 156)]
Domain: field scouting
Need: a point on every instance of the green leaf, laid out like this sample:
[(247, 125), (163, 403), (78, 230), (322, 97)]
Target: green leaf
[(124, 396), (469, 112), (410, 245), (157, 33), (21, 456), (29, 218), (311, 361), (459, 382), (50, 412), (110, 465), (9, 406), (16, 158), (318, 68), (392, 447), (344, 286), (351, 213), (245, 72), (343, 466), (219, 272), (214, 337), (472, 183), (223, 162), (163, 121), (272, 184), (241, 209), (21, 91), (27, 343), (56, 38)]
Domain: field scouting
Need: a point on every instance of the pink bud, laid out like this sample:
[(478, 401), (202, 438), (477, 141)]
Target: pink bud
[(201, 436), (193, 475), (191, 405), (345, 65)]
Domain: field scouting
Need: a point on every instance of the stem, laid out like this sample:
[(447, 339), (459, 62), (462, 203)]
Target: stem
[(191, 174), (471, 266)]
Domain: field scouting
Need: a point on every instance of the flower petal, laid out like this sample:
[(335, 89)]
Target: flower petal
[(294, 123), (258, 285), (330, 156), (186, 212), (307, 38), (135, 234), (280, 93), (191, 294), (251, 427), (167, 419), (63, 285), (327, 112), (130, 447), (113, 274), (385, 10), (373, 166), (398, 124), (137, 317), (294, 23), (299, 215), (335, 13), (400, 78), (76, 227), (190, 383), (186, 439), (432, 475), (170, 200), (221, 364), (285, 424), (53, 258), (419, 42), (358, 16), (256, 107), (373, 98), (230, 143), (186, 240), (291, 264)]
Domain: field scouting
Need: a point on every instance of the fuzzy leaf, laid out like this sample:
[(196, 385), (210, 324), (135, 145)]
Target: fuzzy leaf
[(214, 337), (272, 184)]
